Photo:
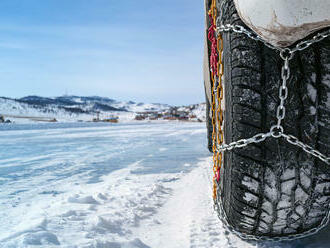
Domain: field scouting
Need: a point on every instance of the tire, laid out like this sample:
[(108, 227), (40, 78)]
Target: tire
[(208, 124), (273, 188)]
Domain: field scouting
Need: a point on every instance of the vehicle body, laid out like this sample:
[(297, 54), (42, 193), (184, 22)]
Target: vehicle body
[(272, 189), (283, 22)]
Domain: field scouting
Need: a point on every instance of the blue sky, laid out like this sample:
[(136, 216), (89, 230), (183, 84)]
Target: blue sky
[(142, 50)]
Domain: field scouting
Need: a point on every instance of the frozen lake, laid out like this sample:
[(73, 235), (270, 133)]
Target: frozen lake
[(111, 185)]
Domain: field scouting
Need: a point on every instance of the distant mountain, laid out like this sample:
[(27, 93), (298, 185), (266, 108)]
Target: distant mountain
[(87, 104), (73, 108)]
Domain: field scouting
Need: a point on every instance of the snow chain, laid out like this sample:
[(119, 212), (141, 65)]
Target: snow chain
[(277, 131), (216, 64)]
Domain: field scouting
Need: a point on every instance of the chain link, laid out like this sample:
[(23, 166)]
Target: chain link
[(283, 91), (242, 30), (294, 141), (276, 131), (244, 142), (307, 43)]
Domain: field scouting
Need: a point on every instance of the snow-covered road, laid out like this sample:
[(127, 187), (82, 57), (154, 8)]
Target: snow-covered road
[(112, 186)]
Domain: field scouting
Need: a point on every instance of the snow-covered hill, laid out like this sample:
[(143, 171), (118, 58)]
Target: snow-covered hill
[(81, 108)]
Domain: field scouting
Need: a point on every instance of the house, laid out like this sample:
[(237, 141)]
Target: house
[(112, 118), (140, 117)]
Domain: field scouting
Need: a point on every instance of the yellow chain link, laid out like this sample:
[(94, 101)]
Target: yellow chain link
[(217, 112)]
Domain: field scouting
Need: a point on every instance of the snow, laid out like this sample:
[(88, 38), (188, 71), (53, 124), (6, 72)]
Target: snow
[(15, 108), (301, 195), (288, 174), (83, 109), (311, 92), (250, 183), (125, 186)]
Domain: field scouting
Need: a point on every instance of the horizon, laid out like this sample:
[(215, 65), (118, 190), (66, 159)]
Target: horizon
[(110, 98), (142, 52)]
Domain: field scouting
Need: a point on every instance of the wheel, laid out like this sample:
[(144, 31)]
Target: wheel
[(273, 188)]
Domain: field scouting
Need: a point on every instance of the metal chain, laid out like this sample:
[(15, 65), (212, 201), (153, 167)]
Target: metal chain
[(217, 69), (218, 207), (276, 131), (302, 45), (242, 30), (294, 141)]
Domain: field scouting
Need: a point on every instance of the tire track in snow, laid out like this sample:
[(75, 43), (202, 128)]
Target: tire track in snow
[(187, 219)]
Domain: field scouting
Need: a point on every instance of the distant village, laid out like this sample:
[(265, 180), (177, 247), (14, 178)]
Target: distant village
[(38, 109), (172, 114)]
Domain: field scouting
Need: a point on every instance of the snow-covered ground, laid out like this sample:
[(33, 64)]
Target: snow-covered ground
[(78, 108), (71, 108), (112, 186)]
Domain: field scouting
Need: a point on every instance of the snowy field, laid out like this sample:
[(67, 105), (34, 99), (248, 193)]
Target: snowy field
[(112, 186)]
